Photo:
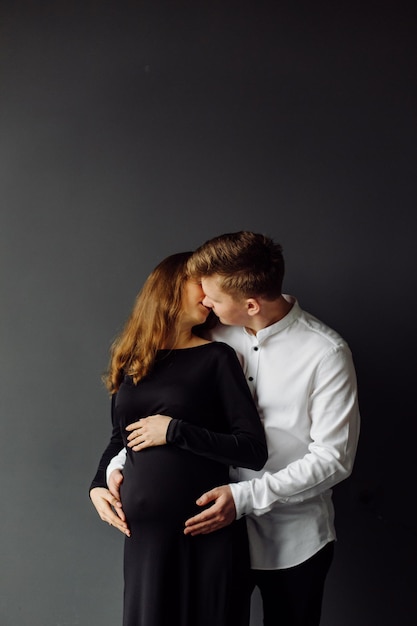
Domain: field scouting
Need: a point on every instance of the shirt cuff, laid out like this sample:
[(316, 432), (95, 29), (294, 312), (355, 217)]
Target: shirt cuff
[(241, 493)]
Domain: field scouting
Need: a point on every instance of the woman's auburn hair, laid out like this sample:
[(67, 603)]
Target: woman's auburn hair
[(152, 322)]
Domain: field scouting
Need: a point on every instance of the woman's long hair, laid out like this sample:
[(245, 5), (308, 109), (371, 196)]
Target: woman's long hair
[(152, 323)]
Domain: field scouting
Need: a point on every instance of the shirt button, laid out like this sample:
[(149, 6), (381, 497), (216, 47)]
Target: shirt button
[(250, 378), (256, 348)]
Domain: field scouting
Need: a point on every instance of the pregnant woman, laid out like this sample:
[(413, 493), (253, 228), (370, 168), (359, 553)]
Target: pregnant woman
[(192, 395)]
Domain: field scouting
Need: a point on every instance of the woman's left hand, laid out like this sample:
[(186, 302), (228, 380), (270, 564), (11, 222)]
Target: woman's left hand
[(148, 432)]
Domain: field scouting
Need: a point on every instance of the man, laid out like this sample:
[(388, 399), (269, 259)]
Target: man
[(303, 380)]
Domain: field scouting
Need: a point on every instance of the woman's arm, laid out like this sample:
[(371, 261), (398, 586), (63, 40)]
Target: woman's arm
[(244, 445), (114, 446), (107, 505)]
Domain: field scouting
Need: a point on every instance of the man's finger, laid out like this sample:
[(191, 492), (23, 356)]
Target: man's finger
[(114, 481), (201, 518), (204, 522), (197, 529), (207, 497)]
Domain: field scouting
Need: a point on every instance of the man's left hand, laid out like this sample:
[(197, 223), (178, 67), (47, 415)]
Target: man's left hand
[(220, 514)]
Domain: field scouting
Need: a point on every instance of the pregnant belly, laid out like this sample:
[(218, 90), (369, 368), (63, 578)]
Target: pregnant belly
[(162, 484)]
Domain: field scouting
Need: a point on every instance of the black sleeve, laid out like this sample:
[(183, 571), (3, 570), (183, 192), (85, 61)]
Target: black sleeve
[(114, 447), (245, 444)]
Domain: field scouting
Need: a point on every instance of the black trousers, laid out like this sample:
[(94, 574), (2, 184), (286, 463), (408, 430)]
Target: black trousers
[(293, 596)]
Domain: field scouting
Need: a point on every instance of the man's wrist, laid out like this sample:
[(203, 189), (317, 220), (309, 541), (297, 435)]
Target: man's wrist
[(242, 498), (110, 468)]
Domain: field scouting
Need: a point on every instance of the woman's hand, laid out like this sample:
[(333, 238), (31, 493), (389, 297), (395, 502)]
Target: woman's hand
[(109, 509), (148, 432)]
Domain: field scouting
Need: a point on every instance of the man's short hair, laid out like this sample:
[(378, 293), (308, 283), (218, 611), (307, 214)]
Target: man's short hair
[(248, 264)]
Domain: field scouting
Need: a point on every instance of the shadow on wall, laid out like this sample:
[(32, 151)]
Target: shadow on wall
[(369, 583)]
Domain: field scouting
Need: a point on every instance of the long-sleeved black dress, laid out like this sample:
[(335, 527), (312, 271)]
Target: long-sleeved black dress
[(171, 578)]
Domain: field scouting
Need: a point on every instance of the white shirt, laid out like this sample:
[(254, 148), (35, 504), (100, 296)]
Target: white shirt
[(303, 380)]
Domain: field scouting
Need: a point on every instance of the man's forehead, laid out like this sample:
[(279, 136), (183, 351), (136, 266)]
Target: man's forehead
[(212, 283)]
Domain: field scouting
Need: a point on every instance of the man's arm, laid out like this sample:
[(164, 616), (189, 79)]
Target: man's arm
[(334, 432), (334, 419)]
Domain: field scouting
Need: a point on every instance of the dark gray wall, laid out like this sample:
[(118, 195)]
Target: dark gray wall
[(132, 130)]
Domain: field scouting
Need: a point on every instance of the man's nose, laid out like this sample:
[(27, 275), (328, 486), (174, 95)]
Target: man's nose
[(207, 302)]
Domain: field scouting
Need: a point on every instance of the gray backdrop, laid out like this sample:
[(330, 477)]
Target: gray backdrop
[(132, 130)]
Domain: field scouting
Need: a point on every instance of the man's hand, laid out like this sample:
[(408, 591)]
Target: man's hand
[(114, 481), (148, 432), (218, 515), (109, 509)]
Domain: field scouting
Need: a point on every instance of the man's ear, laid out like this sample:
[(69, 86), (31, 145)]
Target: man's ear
[(252, 306)]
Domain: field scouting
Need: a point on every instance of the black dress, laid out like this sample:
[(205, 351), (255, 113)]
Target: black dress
[(173, 579)]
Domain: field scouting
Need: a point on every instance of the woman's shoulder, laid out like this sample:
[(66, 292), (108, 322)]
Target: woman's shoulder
[(222, 348), (216, 349)]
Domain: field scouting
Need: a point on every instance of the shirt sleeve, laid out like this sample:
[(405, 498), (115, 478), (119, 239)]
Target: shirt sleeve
[(245, 444), (115, 445), (334, 431)]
